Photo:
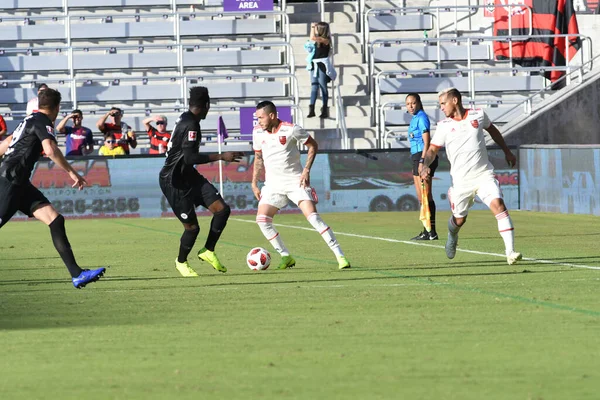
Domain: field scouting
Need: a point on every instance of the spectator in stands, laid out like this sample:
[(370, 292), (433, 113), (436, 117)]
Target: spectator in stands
[(3, 128), (320, 65), (123, 132), (111, 148), (419, 136), (32, 105), (159, 137), (80, 140)]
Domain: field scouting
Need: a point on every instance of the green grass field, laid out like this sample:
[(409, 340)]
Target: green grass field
[(404, 323)]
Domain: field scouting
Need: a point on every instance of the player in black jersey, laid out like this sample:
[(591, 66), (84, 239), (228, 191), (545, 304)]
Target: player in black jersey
[(185, 188), (21, 151)]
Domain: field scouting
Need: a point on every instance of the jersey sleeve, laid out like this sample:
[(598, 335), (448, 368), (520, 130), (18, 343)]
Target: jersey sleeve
[(485, 120), (439, 139), (300, 134), (424, 124), (191, 135), (43, 131), (256, 142), (2, 124)]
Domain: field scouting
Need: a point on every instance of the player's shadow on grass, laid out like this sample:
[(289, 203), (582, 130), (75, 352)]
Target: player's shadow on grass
[(28, 258)]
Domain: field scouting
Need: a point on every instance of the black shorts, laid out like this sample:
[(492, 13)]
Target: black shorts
[(184, 201), (13, 198), (415, 159)]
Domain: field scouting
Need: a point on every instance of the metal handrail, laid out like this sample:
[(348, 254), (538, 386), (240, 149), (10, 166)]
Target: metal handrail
[(470, 71), (321, 5), (469, 40), (429, 11), (382, 128), (183, 81), (172, 3), (528, 102), (340, 118), (288, 62)]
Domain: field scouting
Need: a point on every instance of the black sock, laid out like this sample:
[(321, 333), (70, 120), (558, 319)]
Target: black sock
[(188, 239), (62, 245), (219, 220), (432, 212)]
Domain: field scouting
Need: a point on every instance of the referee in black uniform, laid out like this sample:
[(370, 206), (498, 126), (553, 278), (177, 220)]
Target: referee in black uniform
[(21, 151), (185, 189)]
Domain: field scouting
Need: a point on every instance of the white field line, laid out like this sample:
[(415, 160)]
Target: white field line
[(415, 243)]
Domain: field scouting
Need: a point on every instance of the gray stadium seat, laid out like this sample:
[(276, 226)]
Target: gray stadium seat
[(394, 22), (97, 61), (50, 30), (22, 95), (45, 62), (408, 53), (481, 84)]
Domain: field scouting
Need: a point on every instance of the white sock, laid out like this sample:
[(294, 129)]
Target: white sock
[(265, 224), (452, 227), (507, 231), (326, 233)]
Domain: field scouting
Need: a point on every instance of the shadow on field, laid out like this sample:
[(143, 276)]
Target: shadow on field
[(105, 304), (28, 258)]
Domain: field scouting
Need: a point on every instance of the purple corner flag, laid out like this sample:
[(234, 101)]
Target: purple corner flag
[(222, 130)]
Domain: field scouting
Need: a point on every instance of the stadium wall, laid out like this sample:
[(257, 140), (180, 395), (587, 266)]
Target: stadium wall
[(562, 179), (345, 181)]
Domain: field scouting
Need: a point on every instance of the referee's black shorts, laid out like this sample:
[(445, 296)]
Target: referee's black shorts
[(415, 159), (184, 201), (13, 198)]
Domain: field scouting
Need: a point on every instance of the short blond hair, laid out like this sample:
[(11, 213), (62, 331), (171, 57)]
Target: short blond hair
[(451, 92)]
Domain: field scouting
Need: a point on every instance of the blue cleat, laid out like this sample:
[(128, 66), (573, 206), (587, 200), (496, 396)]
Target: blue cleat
[(88, 276)]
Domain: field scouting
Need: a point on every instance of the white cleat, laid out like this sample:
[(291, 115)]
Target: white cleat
[(513, 257), (451, 245)]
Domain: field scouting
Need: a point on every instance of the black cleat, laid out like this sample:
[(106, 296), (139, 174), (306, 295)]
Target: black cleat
[(433, 235), (422, 236)]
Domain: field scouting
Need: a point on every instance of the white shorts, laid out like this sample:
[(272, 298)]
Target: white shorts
[(463, 198), (279, 198)]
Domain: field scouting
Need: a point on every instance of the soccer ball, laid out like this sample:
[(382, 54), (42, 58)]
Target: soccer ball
[(258, 259)]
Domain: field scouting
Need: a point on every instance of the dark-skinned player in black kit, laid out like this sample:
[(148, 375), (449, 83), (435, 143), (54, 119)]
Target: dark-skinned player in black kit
[(185, 188)]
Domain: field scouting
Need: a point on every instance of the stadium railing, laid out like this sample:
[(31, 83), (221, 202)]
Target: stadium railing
[(576, 73), (178, 57), (421, 19), (472, 81), (395, 119), (472, 47), (12, 5), (70, 27)]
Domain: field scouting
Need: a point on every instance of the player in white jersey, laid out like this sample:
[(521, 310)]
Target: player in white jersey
[(275, 145), (472, 173)]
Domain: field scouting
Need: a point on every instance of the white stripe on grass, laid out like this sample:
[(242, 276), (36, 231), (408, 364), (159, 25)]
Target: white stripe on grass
[(415, 243)]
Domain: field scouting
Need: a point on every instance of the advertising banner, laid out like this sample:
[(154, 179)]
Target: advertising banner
[(247, 5), (344, 182)]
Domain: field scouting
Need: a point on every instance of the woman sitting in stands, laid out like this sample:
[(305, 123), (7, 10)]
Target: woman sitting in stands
[(320, 65), (110, 147)]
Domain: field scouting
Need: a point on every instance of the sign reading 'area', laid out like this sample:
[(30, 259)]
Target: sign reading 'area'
[(245, 5)]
